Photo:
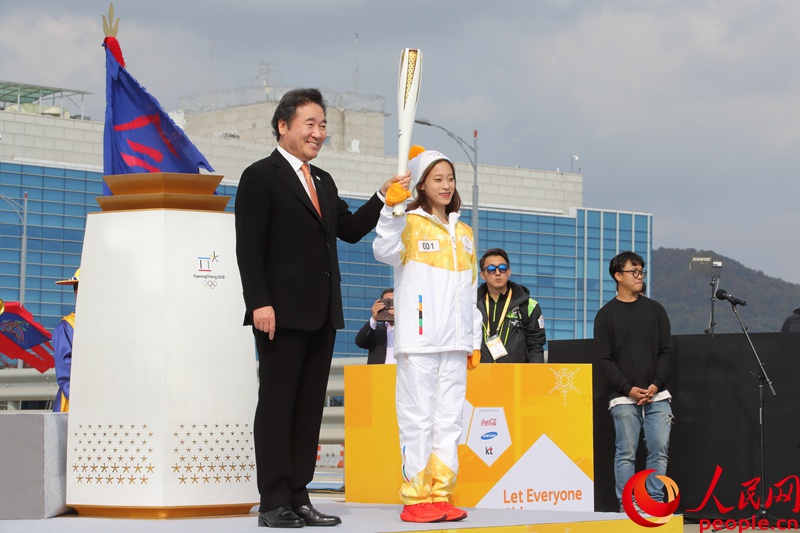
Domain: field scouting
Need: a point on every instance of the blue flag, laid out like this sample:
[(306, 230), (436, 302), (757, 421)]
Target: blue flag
[(139, 135)]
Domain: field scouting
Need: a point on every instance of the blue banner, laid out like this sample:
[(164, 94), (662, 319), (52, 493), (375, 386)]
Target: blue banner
[(139, 135)]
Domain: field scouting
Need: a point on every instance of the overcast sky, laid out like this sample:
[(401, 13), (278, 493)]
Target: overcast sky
[(689, 110)]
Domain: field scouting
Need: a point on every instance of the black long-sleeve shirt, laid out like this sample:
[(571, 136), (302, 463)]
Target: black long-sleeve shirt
[(634, 344)]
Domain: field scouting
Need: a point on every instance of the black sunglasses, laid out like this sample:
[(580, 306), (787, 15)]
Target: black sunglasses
[(491, 269)]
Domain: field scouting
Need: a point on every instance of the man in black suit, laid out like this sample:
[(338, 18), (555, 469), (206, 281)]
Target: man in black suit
[(288, 216), (374, 334)]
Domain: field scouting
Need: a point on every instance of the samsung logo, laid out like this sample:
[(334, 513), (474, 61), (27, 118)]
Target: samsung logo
[(489, 436)]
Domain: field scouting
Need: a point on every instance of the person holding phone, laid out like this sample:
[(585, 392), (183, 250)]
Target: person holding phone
[(377, 335), (437, 331)]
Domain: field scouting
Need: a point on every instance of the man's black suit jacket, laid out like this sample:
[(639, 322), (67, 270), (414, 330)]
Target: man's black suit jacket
[(373, 340), (286, 253)]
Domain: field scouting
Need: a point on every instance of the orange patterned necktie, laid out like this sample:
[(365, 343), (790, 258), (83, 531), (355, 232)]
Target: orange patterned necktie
[(311, 190)]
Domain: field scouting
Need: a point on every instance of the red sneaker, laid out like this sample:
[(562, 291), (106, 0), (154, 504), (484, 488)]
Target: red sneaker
[(422, 512), (454, 514)]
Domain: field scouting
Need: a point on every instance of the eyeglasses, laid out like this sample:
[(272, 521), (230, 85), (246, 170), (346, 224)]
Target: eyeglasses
[(636, 273), (491, 269)]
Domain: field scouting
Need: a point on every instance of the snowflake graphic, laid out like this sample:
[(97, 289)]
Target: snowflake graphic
[(565, 382)]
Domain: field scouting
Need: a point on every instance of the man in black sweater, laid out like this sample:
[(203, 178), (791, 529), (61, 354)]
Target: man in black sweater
[(632, 334)]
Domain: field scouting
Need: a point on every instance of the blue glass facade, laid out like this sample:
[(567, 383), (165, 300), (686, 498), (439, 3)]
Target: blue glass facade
[(563, 260), (58, 201)]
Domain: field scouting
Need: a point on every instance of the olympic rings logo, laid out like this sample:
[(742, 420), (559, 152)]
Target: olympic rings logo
[(209, 284)]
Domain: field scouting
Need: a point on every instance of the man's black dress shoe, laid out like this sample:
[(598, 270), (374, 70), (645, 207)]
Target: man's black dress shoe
[(280, 517), (312, 517)]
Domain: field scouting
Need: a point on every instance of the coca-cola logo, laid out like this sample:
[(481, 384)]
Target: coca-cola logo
[(488, 422)]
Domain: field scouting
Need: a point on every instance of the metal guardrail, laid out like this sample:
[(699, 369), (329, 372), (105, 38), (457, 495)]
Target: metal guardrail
[(22, 384)]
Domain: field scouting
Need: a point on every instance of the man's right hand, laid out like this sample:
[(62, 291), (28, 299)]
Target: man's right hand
[(377, 306), (264, 320)]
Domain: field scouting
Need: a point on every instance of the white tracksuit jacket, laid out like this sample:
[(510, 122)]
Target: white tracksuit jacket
[(436, 280)]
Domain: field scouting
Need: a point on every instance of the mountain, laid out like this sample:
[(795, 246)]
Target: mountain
[(686, 294)]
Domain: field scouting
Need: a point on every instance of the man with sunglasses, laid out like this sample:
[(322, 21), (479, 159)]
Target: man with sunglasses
[(513, 325), (634, 343)]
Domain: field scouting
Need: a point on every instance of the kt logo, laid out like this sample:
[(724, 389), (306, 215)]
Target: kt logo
[(635, 491)]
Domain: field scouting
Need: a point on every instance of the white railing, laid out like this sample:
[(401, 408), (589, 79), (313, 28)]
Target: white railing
[(23, 384)]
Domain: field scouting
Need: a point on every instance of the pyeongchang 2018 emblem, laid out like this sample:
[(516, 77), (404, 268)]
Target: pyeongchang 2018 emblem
[(205, 270), (635, 491)]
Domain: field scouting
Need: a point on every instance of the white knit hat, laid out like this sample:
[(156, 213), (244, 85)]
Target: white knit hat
[(420, 164)]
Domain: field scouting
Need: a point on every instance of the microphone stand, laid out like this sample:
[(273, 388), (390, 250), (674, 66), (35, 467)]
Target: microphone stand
[(762, 377), (714, 286)]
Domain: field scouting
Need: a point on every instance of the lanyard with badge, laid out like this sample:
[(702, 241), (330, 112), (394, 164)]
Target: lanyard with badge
[(493, 342)]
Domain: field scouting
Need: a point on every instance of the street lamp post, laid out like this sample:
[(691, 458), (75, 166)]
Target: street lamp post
[(473, 159), (22, 212)]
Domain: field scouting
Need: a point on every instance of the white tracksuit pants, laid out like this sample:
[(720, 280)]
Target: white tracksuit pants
[(430, 400)]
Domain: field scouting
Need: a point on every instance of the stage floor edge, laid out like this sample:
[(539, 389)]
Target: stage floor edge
[(356, 518), (385, 519)]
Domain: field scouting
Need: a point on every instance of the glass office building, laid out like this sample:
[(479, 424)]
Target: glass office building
[(563, 260), (58, 201)]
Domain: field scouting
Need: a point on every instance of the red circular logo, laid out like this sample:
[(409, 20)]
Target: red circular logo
[(659, 513)]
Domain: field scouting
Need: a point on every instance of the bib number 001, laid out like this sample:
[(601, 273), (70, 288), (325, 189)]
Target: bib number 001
[(428, 246)]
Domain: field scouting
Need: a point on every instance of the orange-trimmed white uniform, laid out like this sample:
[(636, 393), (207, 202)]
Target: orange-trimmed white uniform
[(437, 325)]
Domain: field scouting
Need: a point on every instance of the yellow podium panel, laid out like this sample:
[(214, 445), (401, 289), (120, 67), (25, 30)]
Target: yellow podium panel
[(527, 440)]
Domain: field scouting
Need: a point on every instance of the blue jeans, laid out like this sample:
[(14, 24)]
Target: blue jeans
[(656, 419)]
